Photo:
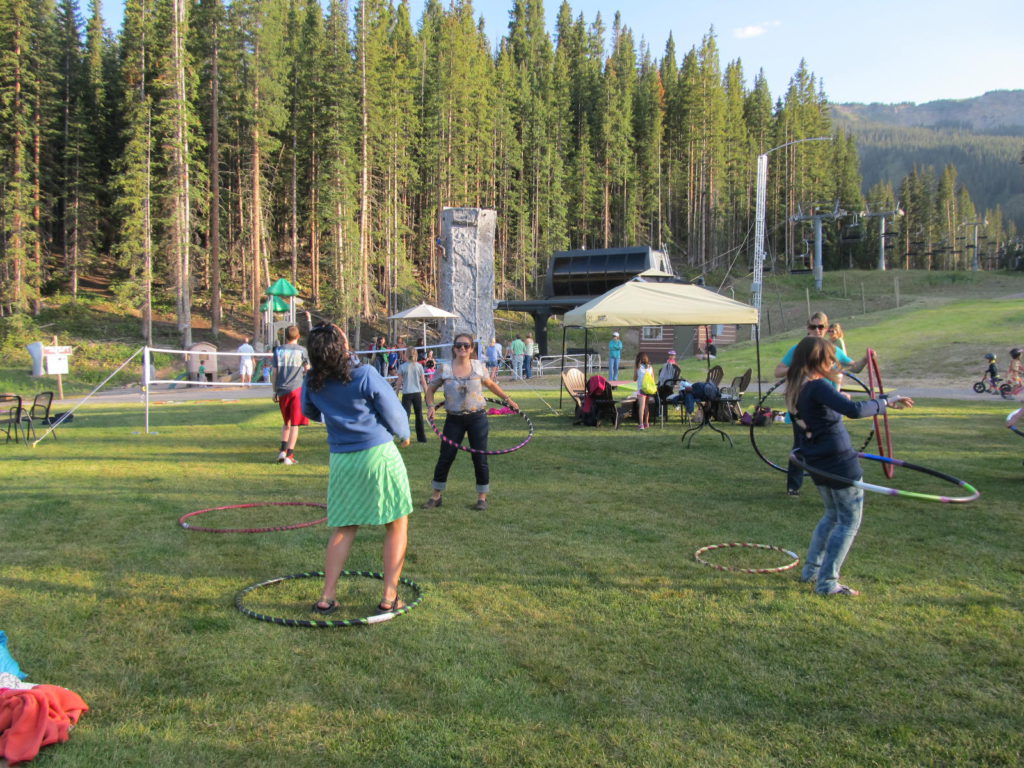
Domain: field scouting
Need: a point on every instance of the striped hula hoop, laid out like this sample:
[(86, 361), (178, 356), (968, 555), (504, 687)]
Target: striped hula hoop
[(973, 492), (716, 566), (467, 449), (364, 621), (883, 432), (183, 520)]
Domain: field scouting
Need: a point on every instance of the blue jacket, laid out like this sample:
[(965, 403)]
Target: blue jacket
[(821, 408), (362, 414)]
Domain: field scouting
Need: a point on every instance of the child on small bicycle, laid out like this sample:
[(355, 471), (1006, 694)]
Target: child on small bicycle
[(992, 373)]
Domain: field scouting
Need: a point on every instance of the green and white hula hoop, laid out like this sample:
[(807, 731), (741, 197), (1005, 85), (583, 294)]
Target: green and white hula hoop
[(363, 621)]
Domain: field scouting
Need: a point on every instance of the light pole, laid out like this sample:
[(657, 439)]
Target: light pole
[(759, 217)]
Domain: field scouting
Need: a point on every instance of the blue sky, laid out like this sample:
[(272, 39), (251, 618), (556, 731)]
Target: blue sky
[(866, 51)]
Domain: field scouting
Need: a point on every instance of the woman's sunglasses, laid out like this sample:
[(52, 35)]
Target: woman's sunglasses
[(461, 345), (816, 327)]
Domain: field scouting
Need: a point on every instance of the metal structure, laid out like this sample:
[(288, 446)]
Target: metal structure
[(975, 264), (882, 216), (759, 219), (575, 277), (816, 217)]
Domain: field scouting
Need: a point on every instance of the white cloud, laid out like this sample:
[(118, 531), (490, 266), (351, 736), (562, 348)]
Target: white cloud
[(754, 30)]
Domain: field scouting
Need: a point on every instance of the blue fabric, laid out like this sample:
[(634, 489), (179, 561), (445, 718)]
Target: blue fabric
[(7, 662), (614, 349), (829, 448), (358, 415), (843, 358), (833, 536), (613, 369)]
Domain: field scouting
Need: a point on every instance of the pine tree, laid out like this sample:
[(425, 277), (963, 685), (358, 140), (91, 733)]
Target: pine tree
[(133, 180)]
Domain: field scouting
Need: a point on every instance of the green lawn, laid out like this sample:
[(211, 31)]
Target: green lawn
[(569, 625)]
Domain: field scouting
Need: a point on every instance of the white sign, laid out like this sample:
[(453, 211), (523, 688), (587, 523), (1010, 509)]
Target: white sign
[(56, 359)]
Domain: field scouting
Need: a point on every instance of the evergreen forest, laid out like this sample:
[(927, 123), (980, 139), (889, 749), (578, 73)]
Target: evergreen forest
[(207, 148)]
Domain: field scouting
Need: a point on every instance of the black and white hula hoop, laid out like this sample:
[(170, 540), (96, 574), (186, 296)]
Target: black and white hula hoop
[(764, 399), (973, 492), (183, 520), (363, 621), (716, 566), (467, 449)]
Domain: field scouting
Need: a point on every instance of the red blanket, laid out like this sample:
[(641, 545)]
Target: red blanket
[(35, 717)]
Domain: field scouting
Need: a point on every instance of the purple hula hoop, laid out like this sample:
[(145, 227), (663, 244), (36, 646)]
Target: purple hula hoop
[(183, 520), (467, 449)]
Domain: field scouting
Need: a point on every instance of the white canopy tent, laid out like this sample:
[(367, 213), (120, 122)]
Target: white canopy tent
[(643, 303), (640, 303), (423, 312)]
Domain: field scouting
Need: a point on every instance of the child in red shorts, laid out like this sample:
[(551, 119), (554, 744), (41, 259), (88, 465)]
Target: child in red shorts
[(290, 363)]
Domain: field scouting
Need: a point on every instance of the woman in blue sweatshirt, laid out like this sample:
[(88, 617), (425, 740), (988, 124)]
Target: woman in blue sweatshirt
[(817, 408), (368, 483)]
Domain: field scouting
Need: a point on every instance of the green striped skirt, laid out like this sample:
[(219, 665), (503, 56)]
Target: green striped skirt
[(368, 487)]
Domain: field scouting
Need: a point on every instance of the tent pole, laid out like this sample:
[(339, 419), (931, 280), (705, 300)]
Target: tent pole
[(757, 347), (561, 369), (586, 356)]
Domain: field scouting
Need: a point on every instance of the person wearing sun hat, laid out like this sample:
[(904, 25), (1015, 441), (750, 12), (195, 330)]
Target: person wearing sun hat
[(614, 356)]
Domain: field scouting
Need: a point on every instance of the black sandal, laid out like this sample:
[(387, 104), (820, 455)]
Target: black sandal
[(386, 607), (331, 607)]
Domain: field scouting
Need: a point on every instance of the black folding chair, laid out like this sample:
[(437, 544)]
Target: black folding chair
[(14, 419)]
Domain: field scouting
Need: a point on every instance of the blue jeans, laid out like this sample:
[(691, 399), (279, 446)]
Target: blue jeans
[(517, 365), (528, 365), (613, 369), (833, 536)]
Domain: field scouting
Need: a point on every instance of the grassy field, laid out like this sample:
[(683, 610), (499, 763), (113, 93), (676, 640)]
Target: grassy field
[(569, 625)]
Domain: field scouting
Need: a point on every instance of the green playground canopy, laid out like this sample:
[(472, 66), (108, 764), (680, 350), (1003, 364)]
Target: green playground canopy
[(282, 288), (278, 305)]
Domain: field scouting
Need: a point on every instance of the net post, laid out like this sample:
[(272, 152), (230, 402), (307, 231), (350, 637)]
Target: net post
[(145, 381)]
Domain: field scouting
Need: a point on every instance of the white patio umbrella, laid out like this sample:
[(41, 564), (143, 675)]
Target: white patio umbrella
[(423, 312)]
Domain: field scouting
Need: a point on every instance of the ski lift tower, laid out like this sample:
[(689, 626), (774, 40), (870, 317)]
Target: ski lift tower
[(817, 216), (882, 216)]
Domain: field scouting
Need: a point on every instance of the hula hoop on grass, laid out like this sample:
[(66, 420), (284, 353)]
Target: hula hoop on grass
[(875, 387), (716, 566), (764, 399), (467, 449), (183, 520), (974, 492), (363, 621)]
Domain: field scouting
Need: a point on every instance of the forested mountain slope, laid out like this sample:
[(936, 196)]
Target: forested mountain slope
[(983, 137)]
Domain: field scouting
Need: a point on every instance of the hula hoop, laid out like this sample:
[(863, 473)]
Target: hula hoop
[(875, 389), (716, 566), (183, 520), (467, 449), (363, 621), (764, 398), (974, 492)]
